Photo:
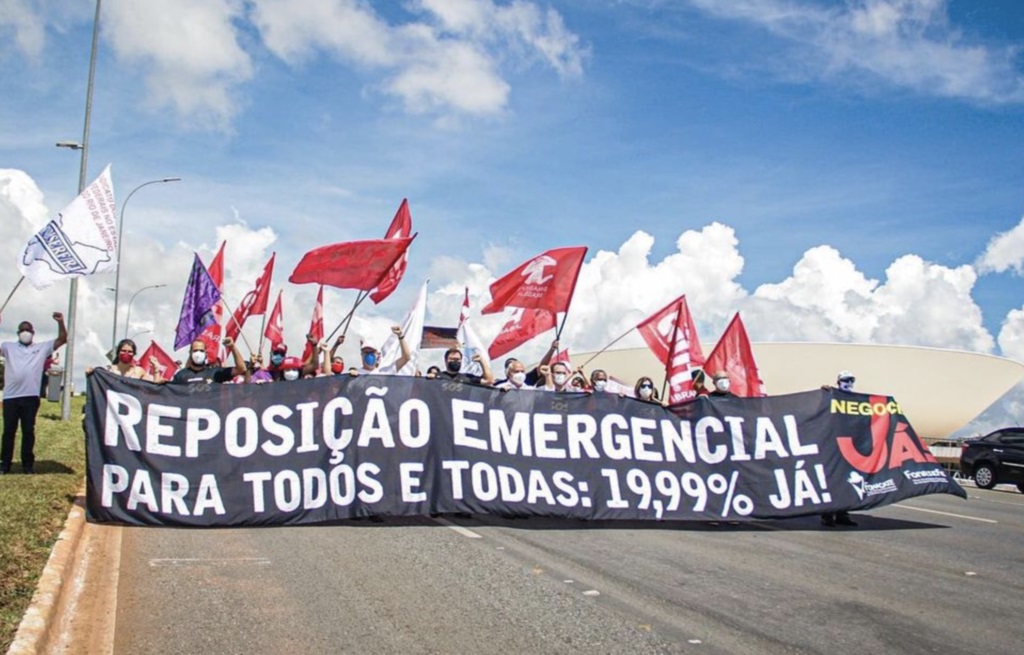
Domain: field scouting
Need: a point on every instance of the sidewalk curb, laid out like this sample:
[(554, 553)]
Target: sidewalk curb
[(34, 629)]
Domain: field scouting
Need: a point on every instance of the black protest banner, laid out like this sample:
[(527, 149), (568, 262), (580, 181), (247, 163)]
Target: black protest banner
[(317, 450)]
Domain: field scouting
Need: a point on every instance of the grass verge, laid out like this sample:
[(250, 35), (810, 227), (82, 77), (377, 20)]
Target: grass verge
[(33, 509)]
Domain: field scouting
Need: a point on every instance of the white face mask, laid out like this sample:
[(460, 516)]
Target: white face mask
[(846, 385), (518, 378), (198, 357), (600, 385), (291, 374), (560, 378), (646, 393), (25, 337), (722, 385)]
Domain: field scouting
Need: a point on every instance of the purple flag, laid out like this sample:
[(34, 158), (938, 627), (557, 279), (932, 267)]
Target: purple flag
[(201, 295)]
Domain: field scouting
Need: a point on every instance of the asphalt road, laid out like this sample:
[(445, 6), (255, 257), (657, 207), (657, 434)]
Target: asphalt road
[(931, 575)]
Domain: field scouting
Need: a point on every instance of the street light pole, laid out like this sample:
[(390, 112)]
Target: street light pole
[(69, 364), (120, 247), (128, 318)]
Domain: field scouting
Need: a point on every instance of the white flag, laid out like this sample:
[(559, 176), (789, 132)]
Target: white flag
[(469, 341), (412, 328), (82, 240)]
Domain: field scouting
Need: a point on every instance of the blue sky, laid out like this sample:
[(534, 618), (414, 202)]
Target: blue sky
[(846, 171)]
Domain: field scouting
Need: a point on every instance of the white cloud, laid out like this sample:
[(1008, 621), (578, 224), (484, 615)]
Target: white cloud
[(21, 18), (907, 43), (1004, 251), (1011, 335), (449, 61), (190, 52)]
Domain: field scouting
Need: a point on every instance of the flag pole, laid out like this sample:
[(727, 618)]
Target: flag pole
[(239, 325), (599, 352), (11, 294), (572, 291), (347, 319)]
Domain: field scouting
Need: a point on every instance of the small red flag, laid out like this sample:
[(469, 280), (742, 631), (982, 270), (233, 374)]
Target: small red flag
[(275, 324), (211, 335), (401, 226), (166, 367), (350, 265), (316, 324), (544, 282), (672, 336), (523, 325), (254, 302), (733, 355)]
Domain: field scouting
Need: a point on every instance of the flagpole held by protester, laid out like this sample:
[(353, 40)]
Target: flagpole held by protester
[(11, 294)]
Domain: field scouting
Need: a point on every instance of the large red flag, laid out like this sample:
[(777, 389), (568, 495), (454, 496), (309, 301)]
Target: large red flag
[(211, 335), (166, 366), (544, 282), (523, 325), (316, 324), (275, 324), (734, 356), (672, 336), (401, 226), (350, 265), (255, 302)]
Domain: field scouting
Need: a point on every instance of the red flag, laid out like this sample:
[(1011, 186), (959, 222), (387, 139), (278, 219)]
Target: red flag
[(275, 324), (316, 324), (350, 265), (522, 325), (211, 335), (734, 355), (545, 282), (254, 302), (166, 367), (672, 337), (401, 226), (561, 356)]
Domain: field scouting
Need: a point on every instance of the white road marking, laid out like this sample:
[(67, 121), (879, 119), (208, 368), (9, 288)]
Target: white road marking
[(935, 511), (591, 592), (188, 561), (465, 532), (992, 500)]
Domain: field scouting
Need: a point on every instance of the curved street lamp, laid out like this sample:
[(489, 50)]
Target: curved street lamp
[(128, 318), (120, 247)]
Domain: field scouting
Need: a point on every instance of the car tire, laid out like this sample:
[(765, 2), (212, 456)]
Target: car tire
[(1020, 487), (985, 476)]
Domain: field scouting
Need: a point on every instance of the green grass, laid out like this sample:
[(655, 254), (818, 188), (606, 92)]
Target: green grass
[(33, 509)]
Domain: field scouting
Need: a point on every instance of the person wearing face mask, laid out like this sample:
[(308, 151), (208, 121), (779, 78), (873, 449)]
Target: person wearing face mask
[(333, 363), (453, 368), (125, 365), (369, 356), (721, 383), (198, 370), (599, 380), (644, 390), (557, 378), (291, 369), (844, 382), (24, 360), (516, 377), (277, 354)]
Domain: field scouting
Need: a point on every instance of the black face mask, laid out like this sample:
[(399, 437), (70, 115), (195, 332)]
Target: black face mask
[(453, 365)]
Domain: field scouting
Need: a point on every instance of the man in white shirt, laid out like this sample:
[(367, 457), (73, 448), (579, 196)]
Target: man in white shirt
[(23, 368)]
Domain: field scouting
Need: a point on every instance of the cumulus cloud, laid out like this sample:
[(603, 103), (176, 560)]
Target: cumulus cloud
[(448, 59), (1004, 252), (907, 43), (190, 52)]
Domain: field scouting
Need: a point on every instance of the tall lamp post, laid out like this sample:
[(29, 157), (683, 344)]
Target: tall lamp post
[(128, 318), (120, 248), (83, 147)]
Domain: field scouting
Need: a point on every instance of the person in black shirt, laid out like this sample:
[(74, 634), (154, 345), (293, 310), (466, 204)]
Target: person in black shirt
[(199, 370), (453, 368)]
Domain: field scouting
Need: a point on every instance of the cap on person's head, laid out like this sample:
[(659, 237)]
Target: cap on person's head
[(368, 344), (291, 364), (279, 348), (845, 376)]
